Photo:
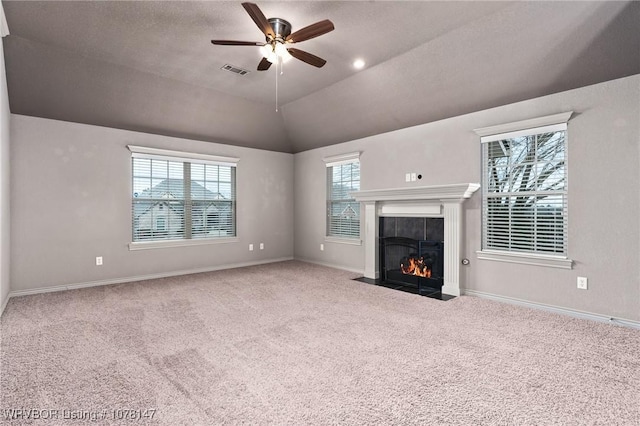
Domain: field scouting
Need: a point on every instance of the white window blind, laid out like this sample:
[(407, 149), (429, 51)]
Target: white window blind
[(524, 203), (343, 211), (175, 197)]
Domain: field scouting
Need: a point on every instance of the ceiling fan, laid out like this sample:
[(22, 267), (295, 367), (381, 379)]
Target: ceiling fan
[(278, 36)]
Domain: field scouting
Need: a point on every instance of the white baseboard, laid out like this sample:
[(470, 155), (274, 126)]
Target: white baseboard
[(554, 309), (331, 265), (51, 289), (4, 304)]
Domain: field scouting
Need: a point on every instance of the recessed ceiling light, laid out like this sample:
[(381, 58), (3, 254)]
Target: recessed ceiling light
[(358, 64)]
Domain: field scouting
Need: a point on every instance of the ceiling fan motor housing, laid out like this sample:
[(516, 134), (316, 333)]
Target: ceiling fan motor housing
[(281, 28)]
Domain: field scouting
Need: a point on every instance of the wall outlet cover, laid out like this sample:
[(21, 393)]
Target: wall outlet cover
[(582, 283)]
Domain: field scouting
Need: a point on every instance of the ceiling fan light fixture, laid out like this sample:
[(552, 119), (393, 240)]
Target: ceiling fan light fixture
[(268, 53), (274, 51), (282, 52)]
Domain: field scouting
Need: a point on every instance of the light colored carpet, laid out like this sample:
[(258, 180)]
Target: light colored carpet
[(296, 343)]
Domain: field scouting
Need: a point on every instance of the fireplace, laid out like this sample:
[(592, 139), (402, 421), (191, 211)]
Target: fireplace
[(442, 202), (412, 253)]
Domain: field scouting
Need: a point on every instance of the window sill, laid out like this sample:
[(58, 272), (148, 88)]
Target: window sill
[(526, 259), (146, 245), (349, 241)]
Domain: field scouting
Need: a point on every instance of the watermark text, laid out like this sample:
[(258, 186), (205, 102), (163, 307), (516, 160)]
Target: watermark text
[(24, 413)]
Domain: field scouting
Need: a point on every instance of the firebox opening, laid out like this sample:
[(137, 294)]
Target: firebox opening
[(412, 254)]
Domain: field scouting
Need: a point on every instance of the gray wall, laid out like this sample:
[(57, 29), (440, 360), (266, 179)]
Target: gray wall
[(604, 196), (71, 189), (5, 225)]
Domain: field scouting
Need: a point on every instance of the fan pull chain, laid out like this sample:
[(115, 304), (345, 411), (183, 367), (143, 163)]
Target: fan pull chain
[(277, 86)]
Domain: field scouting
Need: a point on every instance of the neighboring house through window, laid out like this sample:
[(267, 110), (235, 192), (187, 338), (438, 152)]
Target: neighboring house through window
[(343, 212), (182, 196), (161, 223), (524, 191)]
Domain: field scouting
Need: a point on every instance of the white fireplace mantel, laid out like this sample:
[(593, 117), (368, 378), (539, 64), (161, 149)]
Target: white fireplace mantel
[(435, 192), (443, 201)]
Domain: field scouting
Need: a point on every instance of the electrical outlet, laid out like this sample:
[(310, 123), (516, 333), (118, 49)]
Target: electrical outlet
[(321, 247), (407, 177), (261, 246), (582, 283), (414, 177), (99, 261), (250, 247)]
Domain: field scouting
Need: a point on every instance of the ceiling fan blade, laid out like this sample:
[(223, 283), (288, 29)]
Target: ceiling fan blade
[(264, 65), (258, 17), (307, 57), (313, 30), (237, 43)]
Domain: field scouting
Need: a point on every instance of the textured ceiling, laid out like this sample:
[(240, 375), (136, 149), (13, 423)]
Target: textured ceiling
[(149, 66)]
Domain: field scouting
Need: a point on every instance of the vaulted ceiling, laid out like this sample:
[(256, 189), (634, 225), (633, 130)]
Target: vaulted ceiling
[(150, 66)]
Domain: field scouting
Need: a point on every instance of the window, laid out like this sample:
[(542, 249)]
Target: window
[(181, 196), (343, 212), (524, 188)]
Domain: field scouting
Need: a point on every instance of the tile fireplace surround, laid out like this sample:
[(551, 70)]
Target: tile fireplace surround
[(443, 201)]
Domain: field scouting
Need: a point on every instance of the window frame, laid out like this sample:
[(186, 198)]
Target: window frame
[(189, 158), (330, 162), (535, 126)]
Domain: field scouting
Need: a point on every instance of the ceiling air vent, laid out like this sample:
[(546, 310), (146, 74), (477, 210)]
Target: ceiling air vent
[(234, 69)]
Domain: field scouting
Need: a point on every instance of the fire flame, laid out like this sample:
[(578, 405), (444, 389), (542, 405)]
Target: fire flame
[(415, 266)]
